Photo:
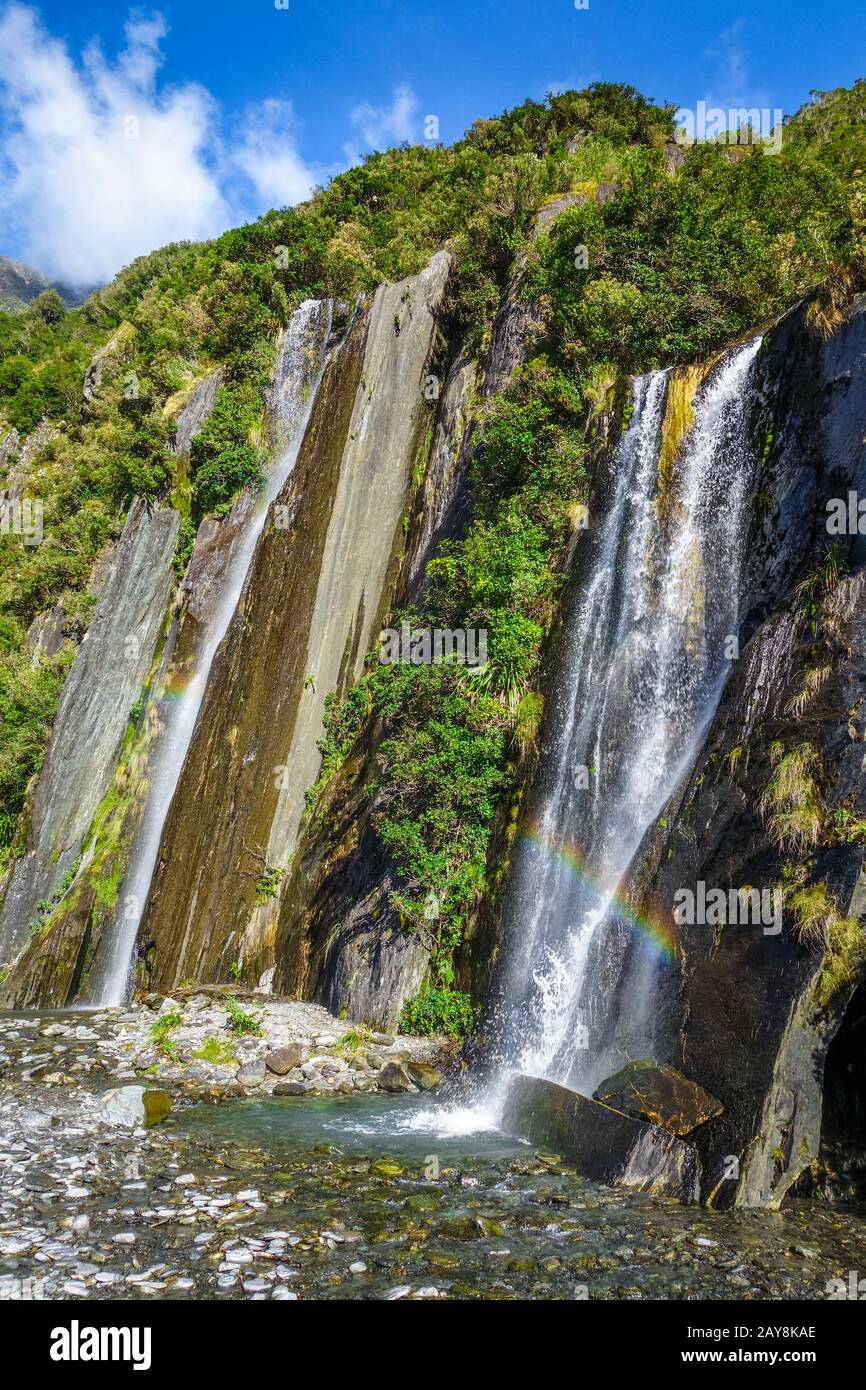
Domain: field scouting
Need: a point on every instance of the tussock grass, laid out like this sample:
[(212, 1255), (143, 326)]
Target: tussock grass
[(791, 802)]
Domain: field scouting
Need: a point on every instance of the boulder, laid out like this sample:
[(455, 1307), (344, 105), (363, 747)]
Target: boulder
[(251, 1074), (660, 1094), (135, 1105), (291, 1088), (424, 1075), (395, 1077), (284, 1059), (604, 1144)]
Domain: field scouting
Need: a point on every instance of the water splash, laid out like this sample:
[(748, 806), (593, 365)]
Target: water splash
[(643, 670), (290, 401)]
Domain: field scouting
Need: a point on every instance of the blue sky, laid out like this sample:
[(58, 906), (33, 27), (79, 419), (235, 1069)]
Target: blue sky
[(122, 129)]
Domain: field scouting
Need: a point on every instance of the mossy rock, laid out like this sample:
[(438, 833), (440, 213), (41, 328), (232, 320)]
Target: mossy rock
[(660, 1094)]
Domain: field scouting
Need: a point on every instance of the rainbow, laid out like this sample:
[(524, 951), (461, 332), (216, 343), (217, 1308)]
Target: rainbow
[(656, 933)]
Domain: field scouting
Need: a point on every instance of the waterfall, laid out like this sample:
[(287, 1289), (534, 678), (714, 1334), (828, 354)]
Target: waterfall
[(290, 401), (648, 649)]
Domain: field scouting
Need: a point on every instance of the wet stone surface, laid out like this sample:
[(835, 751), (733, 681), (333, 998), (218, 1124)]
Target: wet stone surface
[(343, 1196)]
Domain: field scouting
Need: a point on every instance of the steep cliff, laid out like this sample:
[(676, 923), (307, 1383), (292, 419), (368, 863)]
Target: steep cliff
[(85, 944), (320, 583), (777, 794), (105, 681)]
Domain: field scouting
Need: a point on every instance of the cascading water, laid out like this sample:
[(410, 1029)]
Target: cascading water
[(646, 661), (291, 401)]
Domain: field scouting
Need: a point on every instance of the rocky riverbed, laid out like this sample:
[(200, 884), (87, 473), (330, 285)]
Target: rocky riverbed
[(337, 1190)]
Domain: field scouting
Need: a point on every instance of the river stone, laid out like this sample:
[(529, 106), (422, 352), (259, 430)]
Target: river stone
[(291, 1088), (135, 1105), (660, 1094), (604, 1144), (284, 1059), (424, 1075), (394, 1077), (251, 1073)]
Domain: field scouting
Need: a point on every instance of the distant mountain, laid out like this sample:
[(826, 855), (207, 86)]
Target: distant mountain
[(20, 283)]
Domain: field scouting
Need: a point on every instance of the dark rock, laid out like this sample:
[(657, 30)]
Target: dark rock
[(284, 1059), (660, 1094), (291, 1088), (394, 1077), (602, 1143)]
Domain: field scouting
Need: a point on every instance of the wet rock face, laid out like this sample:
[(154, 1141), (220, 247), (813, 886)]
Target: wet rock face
[(605, 1144), (748, 1011), (809, 420), (105, 681), (659, 1094), (441, 508), (316, 594)]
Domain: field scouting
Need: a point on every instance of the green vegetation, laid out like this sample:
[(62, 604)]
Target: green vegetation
[(242, 1023), (792, 800), (161, 1030), (355, 1041), (216, 1051), (224, 459), (268, 886), (434, 1011), (676, 265)]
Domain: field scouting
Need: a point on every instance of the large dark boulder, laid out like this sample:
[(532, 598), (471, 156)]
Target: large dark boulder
[(602, 1143), (660, 1094)]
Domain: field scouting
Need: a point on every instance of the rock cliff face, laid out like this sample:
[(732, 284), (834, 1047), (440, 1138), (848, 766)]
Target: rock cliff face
[(320, 584), (84, 948), (338, 939), (195, 412), (105, 681), (777, 794)]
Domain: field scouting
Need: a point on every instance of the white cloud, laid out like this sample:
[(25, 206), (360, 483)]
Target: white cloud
[(267, 154), (99, 164), (731, 82), (381, 126), (556, 86)]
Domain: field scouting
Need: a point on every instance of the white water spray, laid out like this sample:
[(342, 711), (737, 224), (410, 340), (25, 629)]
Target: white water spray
[(648, 656), (645, 664)]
